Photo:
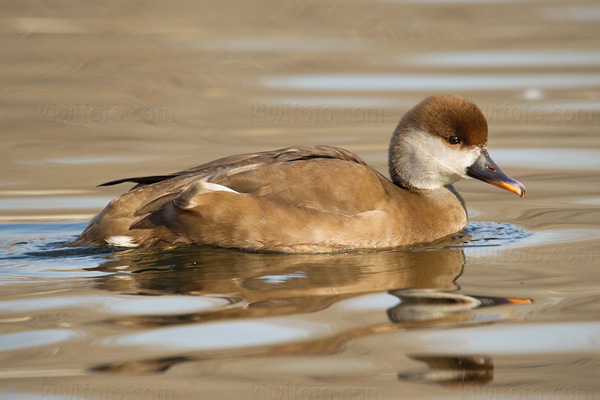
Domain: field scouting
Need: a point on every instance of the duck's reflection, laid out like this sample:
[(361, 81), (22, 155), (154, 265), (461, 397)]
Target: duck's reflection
[(274, 284), (258, 285)]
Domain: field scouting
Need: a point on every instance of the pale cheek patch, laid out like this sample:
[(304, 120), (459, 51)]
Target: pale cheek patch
[(120, 241), (447, 160), (426, 162), (452, 161), (470, 157)]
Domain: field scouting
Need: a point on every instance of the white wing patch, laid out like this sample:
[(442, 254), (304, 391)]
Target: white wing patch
[(192, 195), (120, 241), (213, 187)]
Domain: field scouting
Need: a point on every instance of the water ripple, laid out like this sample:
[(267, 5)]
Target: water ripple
[(432, 82), (43, 337)]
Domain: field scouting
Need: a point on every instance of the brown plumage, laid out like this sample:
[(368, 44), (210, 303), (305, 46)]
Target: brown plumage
[(304, 199)]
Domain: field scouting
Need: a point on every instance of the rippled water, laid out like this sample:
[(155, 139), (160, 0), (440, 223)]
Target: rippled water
[(95, 91)]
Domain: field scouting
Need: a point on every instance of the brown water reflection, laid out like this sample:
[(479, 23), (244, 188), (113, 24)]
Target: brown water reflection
[(256, 286)]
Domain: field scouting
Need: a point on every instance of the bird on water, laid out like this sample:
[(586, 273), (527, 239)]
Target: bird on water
[(314, 199)]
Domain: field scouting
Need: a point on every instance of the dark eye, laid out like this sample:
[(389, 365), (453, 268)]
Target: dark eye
[(454, 140)]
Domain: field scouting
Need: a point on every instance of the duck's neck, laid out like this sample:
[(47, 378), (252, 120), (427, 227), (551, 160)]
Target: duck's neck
[(452, 189)]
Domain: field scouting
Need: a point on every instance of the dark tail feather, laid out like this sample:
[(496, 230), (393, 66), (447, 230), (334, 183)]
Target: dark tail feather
[(140, 180)]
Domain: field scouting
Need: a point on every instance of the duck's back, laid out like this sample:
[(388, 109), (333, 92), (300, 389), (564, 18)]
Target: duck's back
[(300, 199)]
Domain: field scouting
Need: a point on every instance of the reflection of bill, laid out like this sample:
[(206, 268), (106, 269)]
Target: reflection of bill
[(420, 305), (432, 306), (358, 295)]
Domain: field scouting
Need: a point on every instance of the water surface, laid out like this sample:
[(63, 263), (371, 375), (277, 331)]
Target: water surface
[(94, 92)]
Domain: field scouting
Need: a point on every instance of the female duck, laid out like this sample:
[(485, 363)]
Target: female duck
[(314, 199)]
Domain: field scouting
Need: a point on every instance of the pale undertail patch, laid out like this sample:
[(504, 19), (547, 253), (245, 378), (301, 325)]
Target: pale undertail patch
[(120, 241)]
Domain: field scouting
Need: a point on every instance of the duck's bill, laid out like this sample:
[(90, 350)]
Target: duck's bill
[(485, 169), (493, 301)]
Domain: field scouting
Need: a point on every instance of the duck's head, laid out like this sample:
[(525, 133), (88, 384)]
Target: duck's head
[(441, 140)]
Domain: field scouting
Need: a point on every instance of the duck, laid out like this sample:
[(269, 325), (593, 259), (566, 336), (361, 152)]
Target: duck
[(314, 199)]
